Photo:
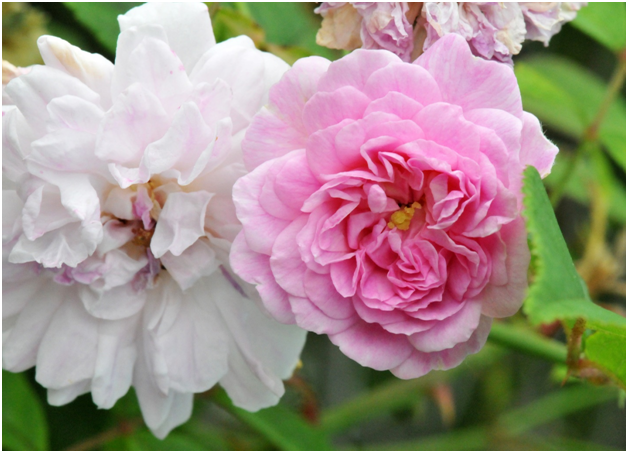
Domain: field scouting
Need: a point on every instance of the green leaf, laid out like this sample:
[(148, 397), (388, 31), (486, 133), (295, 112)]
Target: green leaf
[(102, 19), (609, 351), (228, 23), (556, 277), (567, 97), (557, 292), (283, 428), (291, 24), (605, 22), (23, 422), (596, 317)]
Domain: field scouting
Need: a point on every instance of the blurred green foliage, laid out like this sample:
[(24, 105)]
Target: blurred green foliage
[(505, 397)]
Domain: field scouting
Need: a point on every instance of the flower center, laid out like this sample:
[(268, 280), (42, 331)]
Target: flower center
[(401, 219)]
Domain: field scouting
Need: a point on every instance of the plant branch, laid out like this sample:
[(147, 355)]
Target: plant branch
[(398, 394), (528, 342), (124, 428), (591, 133)]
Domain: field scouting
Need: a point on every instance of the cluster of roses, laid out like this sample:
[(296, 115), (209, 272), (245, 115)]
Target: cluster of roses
[(159, 212)]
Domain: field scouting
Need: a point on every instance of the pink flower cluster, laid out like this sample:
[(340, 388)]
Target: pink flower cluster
[(383, 202), (494, 30)]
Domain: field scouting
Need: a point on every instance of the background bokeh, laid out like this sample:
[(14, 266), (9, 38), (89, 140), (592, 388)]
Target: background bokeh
[(501, 398)]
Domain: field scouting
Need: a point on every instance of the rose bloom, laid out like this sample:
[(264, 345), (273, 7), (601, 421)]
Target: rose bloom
[(494, 30), (383, 207), (118, 220)]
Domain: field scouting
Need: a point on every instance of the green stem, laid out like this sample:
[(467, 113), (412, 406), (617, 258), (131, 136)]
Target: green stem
[(398, 394), (590, 135), (509, 429), (528, 342)]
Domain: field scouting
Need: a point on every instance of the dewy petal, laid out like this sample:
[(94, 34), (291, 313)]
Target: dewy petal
[(181, 222), (187, 26), (92, 69)]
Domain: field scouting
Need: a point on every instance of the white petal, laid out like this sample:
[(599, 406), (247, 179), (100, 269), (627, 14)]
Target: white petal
[(19, 350), (65, 395), (162, 412), (33, 91), (180, 223), (187, 25), (243, 67), (13, 166), (11, 214), (262, 351), (69, 144), (153, 64), (67, 353), (198, 260), (136, 119), (187, 336), (92, 69), (69, 245), (213, 100), (116, 303), (116, 356)]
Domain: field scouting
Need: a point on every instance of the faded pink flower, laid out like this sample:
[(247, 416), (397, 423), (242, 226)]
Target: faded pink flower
[(383, 204), (118, 219), (494, 30), (382, 25)]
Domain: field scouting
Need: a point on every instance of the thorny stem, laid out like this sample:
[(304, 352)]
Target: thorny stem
[(591, 133)]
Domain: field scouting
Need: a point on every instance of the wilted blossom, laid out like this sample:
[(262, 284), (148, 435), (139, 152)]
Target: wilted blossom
[(383, 206), (494, 30), (118, 220)]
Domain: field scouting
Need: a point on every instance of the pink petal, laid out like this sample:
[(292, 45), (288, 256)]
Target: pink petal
[(372, 346), (355, 69), (411, 80), (255, 269), (469, 81), (326, 109), (505, 300), (536, 149), (447, 333)]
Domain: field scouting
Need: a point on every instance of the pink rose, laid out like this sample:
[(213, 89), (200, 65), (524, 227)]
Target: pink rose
[(383, 204)]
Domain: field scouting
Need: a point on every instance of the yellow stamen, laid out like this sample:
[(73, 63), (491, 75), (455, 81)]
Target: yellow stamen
[(401, 219)]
